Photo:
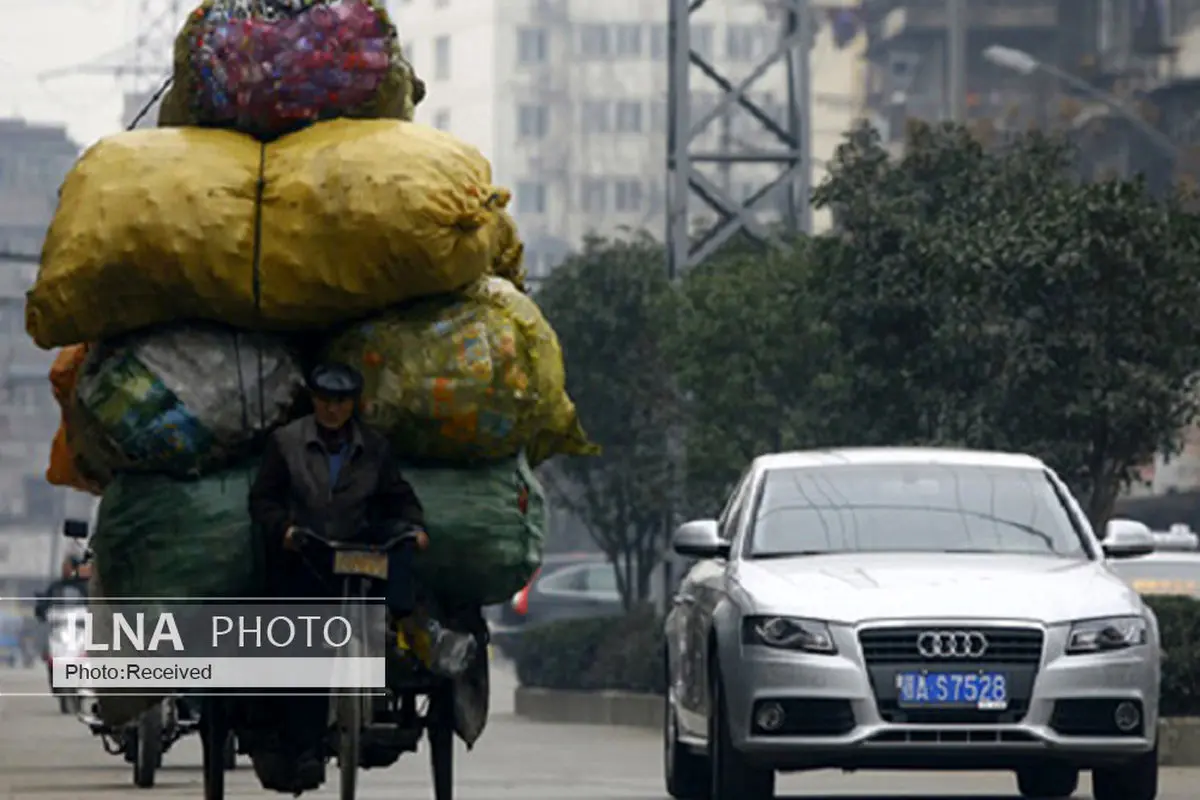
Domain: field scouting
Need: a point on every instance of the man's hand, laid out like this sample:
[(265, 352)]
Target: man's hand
[(421, 539), (289, 539)]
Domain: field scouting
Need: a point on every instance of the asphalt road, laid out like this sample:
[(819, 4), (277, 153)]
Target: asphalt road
[(47, 756)]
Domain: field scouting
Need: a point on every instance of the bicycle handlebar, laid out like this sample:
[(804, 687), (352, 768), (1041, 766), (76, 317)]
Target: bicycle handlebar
[(309, 536)]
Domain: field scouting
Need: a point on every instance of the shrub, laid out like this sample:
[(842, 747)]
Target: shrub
[(623, 653), (1179, 627)]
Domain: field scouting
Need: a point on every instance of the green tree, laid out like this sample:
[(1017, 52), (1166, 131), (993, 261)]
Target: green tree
[(987, 298), (749, 350), (611, 305)]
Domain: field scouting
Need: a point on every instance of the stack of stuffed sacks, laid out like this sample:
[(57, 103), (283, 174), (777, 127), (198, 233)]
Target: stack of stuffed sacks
[(191, 272)]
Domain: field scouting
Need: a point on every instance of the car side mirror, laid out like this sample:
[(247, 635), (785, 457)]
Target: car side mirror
[(700, 539), (75, 529), (1127, 538)]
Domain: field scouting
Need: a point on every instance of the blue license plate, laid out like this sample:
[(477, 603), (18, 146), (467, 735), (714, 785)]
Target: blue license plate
[(987, 691)]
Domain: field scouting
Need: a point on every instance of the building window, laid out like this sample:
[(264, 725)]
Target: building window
[(441, 58), (597, 116), (532, 46), (531, 197), (658, 42), (594, 196), (594, 41), (629, 41), (629, 116), (533, 121), (742, 42), (628, 196), (441, 119)]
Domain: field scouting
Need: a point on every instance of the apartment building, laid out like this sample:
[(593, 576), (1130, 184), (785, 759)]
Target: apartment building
[(1130, 50), (568, 98), (33, 160)]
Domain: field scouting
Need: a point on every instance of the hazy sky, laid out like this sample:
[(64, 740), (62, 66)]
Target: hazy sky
[(40, 35)]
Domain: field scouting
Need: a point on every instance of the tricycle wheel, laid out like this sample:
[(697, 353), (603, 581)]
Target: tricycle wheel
[(214, 736), (439, 727), (148, 747), (230, 754)]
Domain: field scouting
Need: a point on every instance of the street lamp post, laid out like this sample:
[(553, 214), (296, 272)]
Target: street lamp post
[(1025, 64)]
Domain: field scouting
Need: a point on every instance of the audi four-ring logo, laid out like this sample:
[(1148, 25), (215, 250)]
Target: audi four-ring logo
[(952, 644)]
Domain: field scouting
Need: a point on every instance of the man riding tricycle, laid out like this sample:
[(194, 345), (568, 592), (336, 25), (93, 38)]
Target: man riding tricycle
[(341, 522)]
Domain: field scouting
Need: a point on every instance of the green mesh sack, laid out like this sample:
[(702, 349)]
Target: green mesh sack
[(158, 537), (487, 527)]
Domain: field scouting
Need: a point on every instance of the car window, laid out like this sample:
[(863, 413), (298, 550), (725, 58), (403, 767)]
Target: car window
[(735, 510), (600, 579), (912, 508), (570, 579), (731, 501)]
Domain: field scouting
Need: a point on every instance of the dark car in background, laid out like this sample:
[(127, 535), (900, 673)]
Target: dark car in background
[(568, 586)]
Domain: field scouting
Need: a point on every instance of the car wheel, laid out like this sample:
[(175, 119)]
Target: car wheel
[(686, 773), (733, 776), (1133, 780), (1047, 781)]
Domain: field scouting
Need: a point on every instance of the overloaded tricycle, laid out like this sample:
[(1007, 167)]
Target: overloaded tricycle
[(370, 729)]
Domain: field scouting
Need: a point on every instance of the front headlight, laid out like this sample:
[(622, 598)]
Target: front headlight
[(789, 633), (1104, 635)]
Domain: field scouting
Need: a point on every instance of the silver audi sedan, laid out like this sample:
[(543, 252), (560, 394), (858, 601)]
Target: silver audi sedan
[(908, 609)]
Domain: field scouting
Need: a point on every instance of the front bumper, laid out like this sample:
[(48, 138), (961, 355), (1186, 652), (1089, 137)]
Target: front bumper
[(868, 740)]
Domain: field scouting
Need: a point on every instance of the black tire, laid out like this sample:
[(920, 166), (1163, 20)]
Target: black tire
[(230, 753), (214, 733), (1047, 781), (439, 727), (148, 747), (1134, 780), (687, 774), (733, 776)]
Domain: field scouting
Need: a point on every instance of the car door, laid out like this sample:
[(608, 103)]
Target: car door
[(698, 596)]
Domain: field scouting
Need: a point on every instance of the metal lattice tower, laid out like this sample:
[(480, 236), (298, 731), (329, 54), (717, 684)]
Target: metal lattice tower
[(142, 64), (156, 23), (791, 140)]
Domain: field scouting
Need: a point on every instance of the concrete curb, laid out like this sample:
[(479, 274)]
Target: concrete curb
[(1178, 743)]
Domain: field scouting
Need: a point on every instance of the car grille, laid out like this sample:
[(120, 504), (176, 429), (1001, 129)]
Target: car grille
[(899, 645), (1015, 651)]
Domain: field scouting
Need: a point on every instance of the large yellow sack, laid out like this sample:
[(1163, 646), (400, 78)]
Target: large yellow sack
[(468, 378), (353, 216), (508, 256)]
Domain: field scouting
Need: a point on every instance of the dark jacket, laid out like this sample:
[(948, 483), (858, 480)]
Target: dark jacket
[(293, 487)]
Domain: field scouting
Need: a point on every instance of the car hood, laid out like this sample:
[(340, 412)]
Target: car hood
[(856, 588)]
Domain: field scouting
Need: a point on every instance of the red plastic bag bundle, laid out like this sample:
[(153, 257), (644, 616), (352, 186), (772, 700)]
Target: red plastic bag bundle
[(269, 67)]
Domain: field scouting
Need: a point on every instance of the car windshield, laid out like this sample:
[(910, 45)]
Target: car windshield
[(911, 508), (1151, 576)]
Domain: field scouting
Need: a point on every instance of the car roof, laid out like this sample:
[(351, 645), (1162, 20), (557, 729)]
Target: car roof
[(896, 456)]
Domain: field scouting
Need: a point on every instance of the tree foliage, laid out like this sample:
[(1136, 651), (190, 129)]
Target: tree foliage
[(611, 305), (986, 298), (749, 354)]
